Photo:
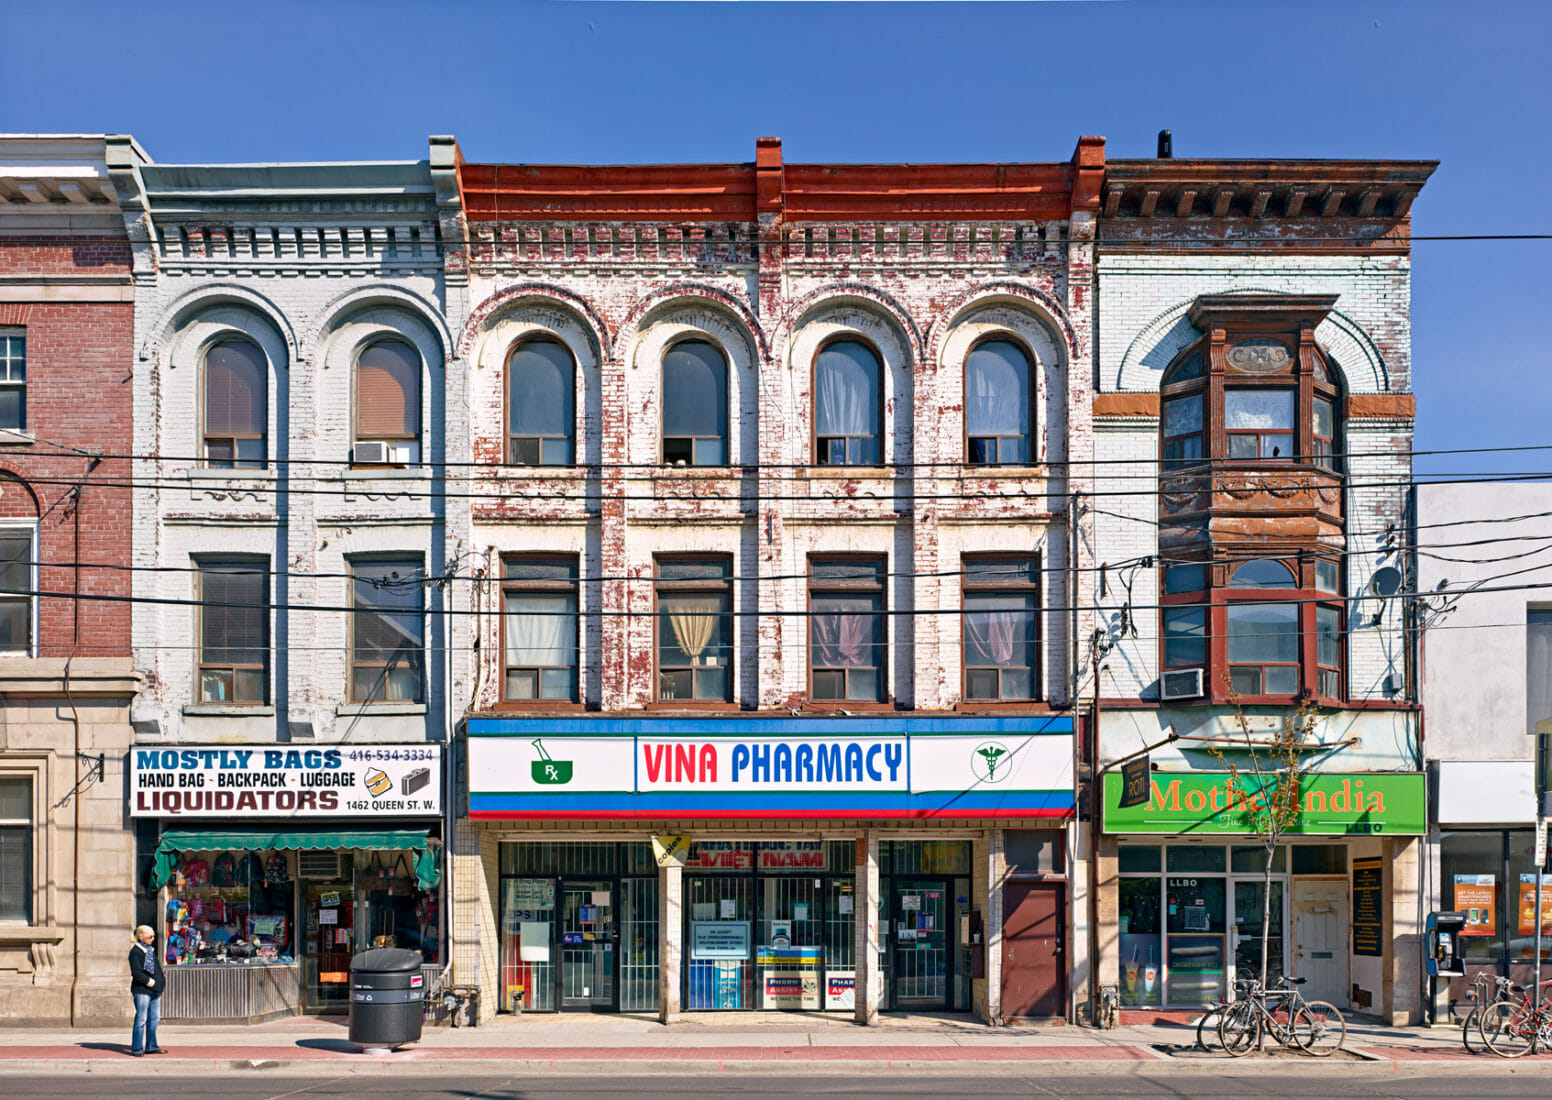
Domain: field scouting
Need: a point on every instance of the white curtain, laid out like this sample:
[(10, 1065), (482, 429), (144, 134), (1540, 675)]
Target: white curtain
[(998, 397), (541, 631), (846, 400), (693, 619)]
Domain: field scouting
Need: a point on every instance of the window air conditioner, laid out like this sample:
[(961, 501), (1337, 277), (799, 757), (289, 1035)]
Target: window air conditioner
[(375, 453), (319, 865), (1184, 683)]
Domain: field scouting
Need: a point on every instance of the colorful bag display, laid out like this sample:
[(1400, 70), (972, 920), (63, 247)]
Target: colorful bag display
[(197, 872)]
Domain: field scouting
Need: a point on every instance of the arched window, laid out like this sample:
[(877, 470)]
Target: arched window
[(236, 406), (541, 404), (848, 406), (387, 405), (695, 405), (999, 407), (1263, 573)]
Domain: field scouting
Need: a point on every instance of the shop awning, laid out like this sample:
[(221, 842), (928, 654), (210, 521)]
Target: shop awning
[(262, 840)]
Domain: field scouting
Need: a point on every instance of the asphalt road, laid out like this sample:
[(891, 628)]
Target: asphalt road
[(253, 1085)]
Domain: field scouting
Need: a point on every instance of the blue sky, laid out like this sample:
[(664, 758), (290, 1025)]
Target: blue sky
[(1465, 83)]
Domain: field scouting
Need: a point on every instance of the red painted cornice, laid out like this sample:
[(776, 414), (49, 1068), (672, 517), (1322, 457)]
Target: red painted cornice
[(791, 192)]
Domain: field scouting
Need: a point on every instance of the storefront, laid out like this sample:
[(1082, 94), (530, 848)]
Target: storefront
[(749, 854), (273, 866), (1190, 888), (1483, 860)]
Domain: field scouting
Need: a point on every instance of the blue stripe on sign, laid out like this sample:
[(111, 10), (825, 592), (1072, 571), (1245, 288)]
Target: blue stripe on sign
[(762, 727), (774, 801)]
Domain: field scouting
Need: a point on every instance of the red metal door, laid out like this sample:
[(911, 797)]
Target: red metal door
[(1034, 956)]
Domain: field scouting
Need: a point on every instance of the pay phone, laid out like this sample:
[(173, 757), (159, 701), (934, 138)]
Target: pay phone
[(1442, 937)]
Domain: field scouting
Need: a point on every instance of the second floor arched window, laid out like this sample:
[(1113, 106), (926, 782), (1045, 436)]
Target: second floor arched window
[(999, 404), (848, 405), (541, 404), (388, 405), (236, 406), (695, 405)]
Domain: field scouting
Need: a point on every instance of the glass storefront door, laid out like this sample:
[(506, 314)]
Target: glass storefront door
[(587, 948), (718, 943), (920, 941), (329, 916), (1248, 897)]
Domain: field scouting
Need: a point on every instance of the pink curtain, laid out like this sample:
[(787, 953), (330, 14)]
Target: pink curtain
[(997, 634), (843, 641)]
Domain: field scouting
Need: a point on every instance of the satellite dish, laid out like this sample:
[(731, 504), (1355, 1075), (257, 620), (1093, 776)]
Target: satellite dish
[(1386, 581)]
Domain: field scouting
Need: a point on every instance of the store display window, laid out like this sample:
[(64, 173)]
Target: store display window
[(230, 907)]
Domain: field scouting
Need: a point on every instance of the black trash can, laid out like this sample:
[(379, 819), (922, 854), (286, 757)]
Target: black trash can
[(387, 997)]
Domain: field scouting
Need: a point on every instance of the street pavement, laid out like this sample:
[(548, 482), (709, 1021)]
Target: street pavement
[(753, 1048), (1147, 1085)]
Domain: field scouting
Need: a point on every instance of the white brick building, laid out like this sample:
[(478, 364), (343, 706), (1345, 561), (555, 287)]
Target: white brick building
[(290, 391), (1264, 307)]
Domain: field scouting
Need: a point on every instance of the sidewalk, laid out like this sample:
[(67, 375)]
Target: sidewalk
[(713, 1042)]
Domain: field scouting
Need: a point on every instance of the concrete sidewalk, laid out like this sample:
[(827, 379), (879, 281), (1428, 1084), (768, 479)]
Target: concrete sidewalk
[(713, 1042)]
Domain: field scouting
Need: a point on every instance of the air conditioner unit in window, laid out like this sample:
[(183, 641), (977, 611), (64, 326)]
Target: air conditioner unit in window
[(319, 865), (1183, 683), (372, 453)]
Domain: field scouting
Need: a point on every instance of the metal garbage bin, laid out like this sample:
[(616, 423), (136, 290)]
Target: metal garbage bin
[(387, 997)]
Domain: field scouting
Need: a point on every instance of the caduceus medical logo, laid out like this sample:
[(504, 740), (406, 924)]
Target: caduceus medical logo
[(990, 763)]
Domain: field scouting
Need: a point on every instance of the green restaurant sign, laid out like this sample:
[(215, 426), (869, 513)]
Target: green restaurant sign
[(1332, 804)]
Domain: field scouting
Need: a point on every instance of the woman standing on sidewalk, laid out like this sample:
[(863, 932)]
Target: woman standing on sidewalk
[(145, 986)]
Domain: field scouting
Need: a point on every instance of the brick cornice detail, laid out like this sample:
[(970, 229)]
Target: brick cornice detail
[(1126, 404), (1381, 406)]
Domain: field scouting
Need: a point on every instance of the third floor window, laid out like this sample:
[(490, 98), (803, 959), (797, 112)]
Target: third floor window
[(236, 411), (387, 405), (848, 405), (695, 405), (541, 404)]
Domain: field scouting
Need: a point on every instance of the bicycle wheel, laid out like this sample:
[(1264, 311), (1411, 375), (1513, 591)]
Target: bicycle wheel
[(1319, 1028), (1240, 1029), (1207, 1027), (1471, 1032), (1508, 1028)]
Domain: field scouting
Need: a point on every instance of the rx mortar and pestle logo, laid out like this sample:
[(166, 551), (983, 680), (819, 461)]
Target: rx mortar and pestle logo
[(546, 771), (988, 762)]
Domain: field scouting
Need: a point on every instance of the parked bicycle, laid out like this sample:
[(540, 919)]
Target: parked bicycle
[(1514, 1026), (1315, 1027), (1486, 989), (1207, 1026)]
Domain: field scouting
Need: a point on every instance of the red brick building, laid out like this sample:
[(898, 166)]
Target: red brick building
[(66, 678)]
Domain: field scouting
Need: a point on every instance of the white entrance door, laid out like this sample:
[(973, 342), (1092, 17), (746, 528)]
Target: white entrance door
[(1320, 938)]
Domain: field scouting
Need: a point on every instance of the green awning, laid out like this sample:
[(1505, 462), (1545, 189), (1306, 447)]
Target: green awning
[(262, 840)]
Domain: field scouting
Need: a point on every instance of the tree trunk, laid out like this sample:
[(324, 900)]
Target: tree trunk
[(1266, 907)]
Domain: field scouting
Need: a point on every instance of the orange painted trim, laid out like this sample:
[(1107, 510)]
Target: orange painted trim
[(1386, 406), (1126, 404)]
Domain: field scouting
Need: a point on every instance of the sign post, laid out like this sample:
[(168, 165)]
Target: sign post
[(1541, 862)]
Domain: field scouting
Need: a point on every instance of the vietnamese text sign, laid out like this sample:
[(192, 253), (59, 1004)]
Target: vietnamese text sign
[(1331, 804), (862, 767), (1368, 906), (719, 939), (285, 781)]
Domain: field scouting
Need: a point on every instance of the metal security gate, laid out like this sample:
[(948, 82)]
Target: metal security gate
[(922, 963), (718, 943), (637, 949)]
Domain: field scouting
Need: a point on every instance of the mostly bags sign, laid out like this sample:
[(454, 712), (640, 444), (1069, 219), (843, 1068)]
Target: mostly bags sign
[(285, 781)]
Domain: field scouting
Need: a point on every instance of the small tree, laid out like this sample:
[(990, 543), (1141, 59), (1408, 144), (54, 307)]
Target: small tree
[(1266, 788)]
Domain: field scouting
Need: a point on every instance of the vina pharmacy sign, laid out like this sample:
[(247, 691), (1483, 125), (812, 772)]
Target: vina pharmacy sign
[(1331, 804), (793, 768)]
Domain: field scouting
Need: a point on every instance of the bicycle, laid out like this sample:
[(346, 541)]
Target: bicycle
[(1486, 989), (1207, 1026), (1512, 1028), (1315, 1027)]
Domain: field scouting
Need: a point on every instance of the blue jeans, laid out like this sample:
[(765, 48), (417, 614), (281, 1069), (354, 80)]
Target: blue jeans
[(148, 1013)]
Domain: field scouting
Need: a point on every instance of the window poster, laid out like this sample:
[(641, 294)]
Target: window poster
[(1526, 906), (1477, 897)]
